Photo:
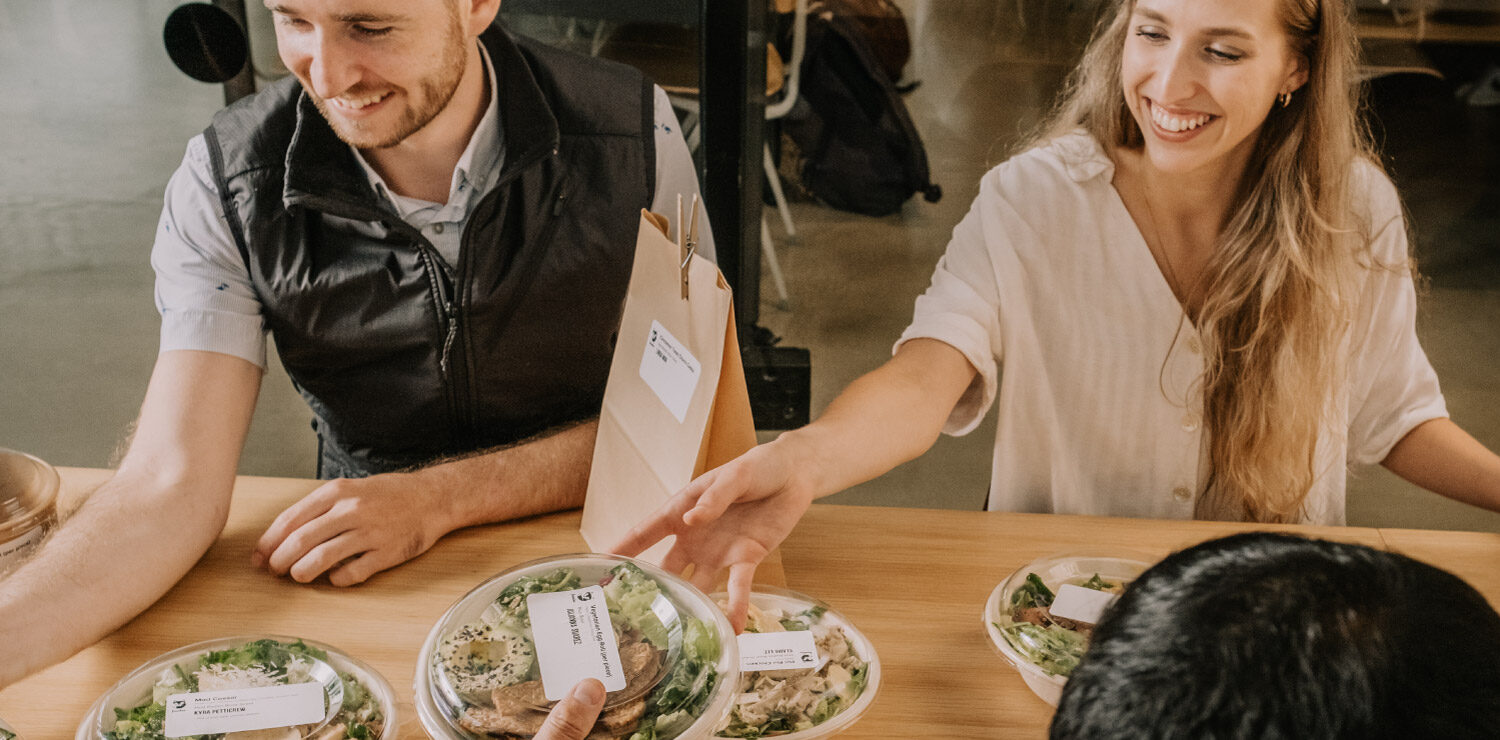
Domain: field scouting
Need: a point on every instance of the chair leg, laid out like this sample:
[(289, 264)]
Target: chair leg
[(775, 181), (768, 248)]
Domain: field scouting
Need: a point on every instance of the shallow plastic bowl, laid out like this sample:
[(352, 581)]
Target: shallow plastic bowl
[(791, 602), (1054, 570), (136, 687)]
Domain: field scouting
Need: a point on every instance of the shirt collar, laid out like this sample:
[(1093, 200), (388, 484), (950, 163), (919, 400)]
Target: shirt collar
[(1083, 157), (476, 166)]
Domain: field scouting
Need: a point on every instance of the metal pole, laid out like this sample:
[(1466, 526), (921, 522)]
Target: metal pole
[(733, 83), (243, 83)]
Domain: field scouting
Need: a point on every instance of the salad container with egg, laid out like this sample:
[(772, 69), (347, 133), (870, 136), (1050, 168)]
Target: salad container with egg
[(1046, 647), (493, 666), (802, 703), (224, 680)]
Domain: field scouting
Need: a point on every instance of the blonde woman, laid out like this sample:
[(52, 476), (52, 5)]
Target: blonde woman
[(1196, 282)]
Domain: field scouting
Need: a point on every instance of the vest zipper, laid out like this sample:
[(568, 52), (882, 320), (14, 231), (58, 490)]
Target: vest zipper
[(462, 394), (443, 363)]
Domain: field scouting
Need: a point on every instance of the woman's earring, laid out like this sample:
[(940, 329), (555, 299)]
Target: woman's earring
[(1285, 98)]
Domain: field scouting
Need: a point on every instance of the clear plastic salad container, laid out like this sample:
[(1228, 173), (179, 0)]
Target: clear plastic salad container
[(6, 732), (28, 505), (488, 668), (808, 703), (239, 688), (1045, 650)]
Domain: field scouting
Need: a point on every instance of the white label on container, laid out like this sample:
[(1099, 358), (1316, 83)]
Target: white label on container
[(671, 370), (778, 651), (238, 710), (574, 640), (11, 551), (1081, 604)]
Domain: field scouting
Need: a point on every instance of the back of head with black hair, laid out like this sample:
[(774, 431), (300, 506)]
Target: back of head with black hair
[(1265, 635)]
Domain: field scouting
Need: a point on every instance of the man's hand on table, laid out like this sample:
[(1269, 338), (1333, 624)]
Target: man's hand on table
[(730, 517), (353, 528)]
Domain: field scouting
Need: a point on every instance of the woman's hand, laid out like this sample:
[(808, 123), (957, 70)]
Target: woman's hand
[(731, 516)]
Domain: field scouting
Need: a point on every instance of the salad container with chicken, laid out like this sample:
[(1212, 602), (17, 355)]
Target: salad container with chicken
[(1040, 618), (247, 688), (6, 733), (501, 657), (830, 680)]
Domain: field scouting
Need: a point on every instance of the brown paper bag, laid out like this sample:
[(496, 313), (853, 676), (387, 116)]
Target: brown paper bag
[(675, 405)]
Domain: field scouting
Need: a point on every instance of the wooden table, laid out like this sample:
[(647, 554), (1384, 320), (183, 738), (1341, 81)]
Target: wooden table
[(914, 580)]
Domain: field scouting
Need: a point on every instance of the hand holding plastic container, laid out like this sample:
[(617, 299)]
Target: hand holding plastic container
[(498, 660), (1045, 647)]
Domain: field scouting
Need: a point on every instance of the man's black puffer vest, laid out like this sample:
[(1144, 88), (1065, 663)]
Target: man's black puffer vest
[(403, 359)]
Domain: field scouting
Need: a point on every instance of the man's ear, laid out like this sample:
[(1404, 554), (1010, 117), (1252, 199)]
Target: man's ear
[(480, 14)]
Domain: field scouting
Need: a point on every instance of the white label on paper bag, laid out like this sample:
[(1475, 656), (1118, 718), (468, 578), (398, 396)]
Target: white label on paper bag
[(1081, 604), (237, 710), (574, 640), (778, 651), (671, 370)]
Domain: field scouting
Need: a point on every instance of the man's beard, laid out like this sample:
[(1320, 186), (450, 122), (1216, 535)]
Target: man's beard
[(434, 94)]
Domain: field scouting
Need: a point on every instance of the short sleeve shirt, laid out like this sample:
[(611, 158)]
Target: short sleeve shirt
[(1050, 292), (203, 289)]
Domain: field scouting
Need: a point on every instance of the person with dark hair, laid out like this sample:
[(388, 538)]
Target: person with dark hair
[(1263, 635)]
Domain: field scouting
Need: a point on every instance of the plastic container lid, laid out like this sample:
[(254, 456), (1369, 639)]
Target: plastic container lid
[(479, 670), (249, 666), (840, 646), (1045, 655), (28, 504), (7, 732)]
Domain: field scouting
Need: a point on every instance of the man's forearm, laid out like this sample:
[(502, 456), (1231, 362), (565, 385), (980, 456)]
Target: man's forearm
[(548, 473), (117, 555)]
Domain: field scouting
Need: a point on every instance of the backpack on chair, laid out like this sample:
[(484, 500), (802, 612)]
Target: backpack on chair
[(860, 151)]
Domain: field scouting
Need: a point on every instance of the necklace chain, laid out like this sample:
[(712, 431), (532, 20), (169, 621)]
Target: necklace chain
[(1183, 291)]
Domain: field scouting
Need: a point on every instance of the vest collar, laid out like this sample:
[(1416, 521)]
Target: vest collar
[(321, 170)]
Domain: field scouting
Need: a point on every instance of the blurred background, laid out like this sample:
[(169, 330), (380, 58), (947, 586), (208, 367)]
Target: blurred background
[(95, 119)]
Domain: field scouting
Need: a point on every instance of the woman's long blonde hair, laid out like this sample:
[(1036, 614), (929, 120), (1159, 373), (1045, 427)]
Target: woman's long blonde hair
[(1279, 288)]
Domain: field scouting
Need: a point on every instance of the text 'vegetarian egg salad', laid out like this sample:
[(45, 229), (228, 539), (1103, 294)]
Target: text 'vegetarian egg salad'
[(252, 665), (772, 703)]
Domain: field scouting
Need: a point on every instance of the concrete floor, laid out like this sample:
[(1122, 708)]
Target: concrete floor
[(95, 118)]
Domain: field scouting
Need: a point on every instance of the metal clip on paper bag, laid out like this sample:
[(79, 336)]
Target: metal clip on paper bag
[(675, 405)]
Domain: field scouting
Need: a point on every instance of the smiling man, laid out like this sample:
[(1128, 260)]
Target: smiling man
[(435, 220)]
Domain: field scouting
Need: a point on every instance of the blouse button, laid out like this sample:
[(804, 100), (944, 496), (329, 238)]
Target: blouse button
[(1182, 493), (437, 228)]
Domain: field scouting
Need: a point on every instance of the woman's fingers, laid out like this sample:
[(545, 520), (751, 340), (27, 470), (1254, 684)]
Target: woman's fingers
[(741, 575)]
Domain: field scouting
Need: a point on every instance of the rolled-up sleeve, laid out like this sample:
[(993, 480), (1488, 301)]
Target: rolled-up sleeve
[(961, 307), (203, 290), (1393, 386)]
